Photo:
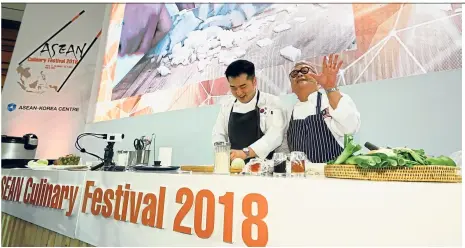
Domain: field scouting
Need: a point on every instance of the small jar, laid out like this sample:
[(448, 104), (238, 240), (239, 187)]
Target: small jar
[(279, 164), (269, 168), (298, 160), (256, 166)]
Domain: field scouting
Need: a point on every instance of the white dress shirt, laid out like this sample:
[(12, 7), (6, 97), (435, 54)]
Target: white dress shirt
[(272, 122), (345, 119)]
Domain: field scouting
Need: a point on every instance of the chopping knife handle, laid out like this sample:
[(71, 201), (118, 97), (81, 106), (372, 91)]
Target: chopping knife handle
[(371, 147)]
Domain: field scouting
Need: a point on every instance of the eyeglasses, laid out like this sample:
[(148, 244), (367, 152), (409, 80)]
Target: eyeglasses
[(303, 70)]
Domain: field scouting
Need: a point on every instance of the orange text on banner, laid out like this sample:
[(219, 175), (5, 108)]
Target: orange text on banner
[(185, 196), (41, 194), (125, 201)]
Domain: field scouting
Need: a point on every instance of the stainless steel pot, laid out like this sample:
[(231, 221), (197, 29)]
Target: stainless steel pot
[(19, 147), (143, 157)]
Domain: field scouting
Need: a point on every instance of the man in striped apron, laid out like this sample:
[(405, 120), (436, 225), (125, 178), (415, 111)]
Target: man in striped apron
[(319, 122)]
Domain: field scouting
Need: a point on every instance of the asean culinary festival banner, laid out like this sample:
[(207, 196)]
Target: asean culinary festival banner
[(146, 209), (43, 198), (50, 76), (101, 209)]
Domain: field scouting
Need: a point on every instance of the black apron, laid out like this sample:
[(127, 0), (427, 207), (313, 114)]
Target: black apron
[(244, 129), (313, 137)]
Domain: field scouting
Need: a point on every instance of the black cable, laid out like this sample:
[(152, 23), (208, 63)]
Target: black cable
[(94, 155), (82, 150), (78, 146)]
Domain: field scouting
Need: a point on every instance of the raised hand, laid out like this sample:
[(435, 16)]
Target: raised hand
[(328, 77)]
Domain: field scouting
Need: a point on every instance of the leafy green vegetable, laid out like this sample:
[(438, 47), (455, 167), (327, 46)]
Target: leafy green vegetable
[(347, 139), (349, 149), (392, 162), (387, 158), (441, 160), (420, 152), (42, 162), (383, 164), (364, 161), (388, 152), (414, 155), (380, 155), (401, 161)]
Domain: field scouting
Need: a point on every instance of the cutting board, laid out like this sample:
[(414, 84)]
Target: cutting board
[(204, 168)]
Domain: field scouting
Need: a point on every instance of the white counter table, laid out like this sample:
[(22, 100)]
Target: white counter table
[(153, 209)]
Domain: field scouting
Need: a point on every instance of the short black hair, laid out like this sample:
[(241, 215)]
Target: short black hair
[(241, 66)]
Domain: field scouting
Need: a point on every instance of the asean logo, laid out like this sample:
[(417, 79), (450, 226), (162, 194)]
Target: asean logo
[(11, 107)]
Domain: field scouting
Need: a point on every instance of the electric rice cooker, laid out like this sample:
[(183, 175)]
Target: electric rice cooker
[(19, 147)]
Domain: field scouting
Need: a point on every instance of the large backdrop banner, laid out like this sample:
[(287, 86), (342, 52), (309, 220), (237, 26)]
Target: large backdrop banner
[(161, 57), (48, 85)]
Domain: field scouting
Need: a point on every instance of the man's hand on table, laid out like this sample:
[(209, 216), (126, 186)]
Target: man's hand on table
[(241, 154), (238, 154)]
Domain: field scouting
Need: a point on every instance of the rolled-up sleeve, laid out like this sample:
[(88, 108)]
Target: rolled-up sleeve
[(273, 137), (219, 132), (345, 118)]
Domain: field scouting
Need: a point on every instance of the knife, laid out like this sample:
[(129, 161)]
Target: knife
[(373, 147)]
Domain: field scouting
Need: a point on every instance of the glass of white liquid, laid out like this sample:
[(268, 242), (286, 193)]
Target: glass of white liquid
[(222, 158)]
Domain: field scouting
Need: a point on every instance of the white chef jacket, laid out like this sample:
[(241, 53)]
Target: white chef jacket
[(272, 122), (345, 119)]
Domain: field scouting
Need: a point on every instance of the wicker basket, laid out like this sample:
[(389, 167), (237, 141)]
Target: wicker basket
[(419, 173)]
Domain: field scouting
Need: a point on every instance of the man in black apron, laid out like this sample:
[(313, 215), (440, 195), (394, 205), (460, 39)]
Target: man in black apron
[(316, 132), (253, 123), (244, 130)]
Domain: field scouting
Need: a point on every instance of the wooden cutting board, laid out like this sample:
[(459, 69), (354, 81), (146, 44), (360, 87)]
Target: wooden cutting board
[(204, 168)]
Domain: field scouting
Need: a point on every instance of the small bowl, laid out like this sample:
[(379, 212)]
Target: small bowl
[(156, 163)]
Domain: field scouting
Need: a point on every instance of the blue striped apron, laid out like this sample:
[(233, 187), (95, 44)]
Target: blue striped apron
[(313, 137)]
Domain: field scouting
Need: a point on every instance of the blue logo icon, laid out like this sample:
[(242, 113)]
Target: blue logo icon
[(11, 107)]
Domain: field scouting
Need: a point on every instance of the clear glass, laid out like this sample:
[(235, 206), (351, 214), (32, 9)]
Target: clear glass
[(222, 158), (127, 159), (298, 160), (269, 167), (279, 164), (256, 167)]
